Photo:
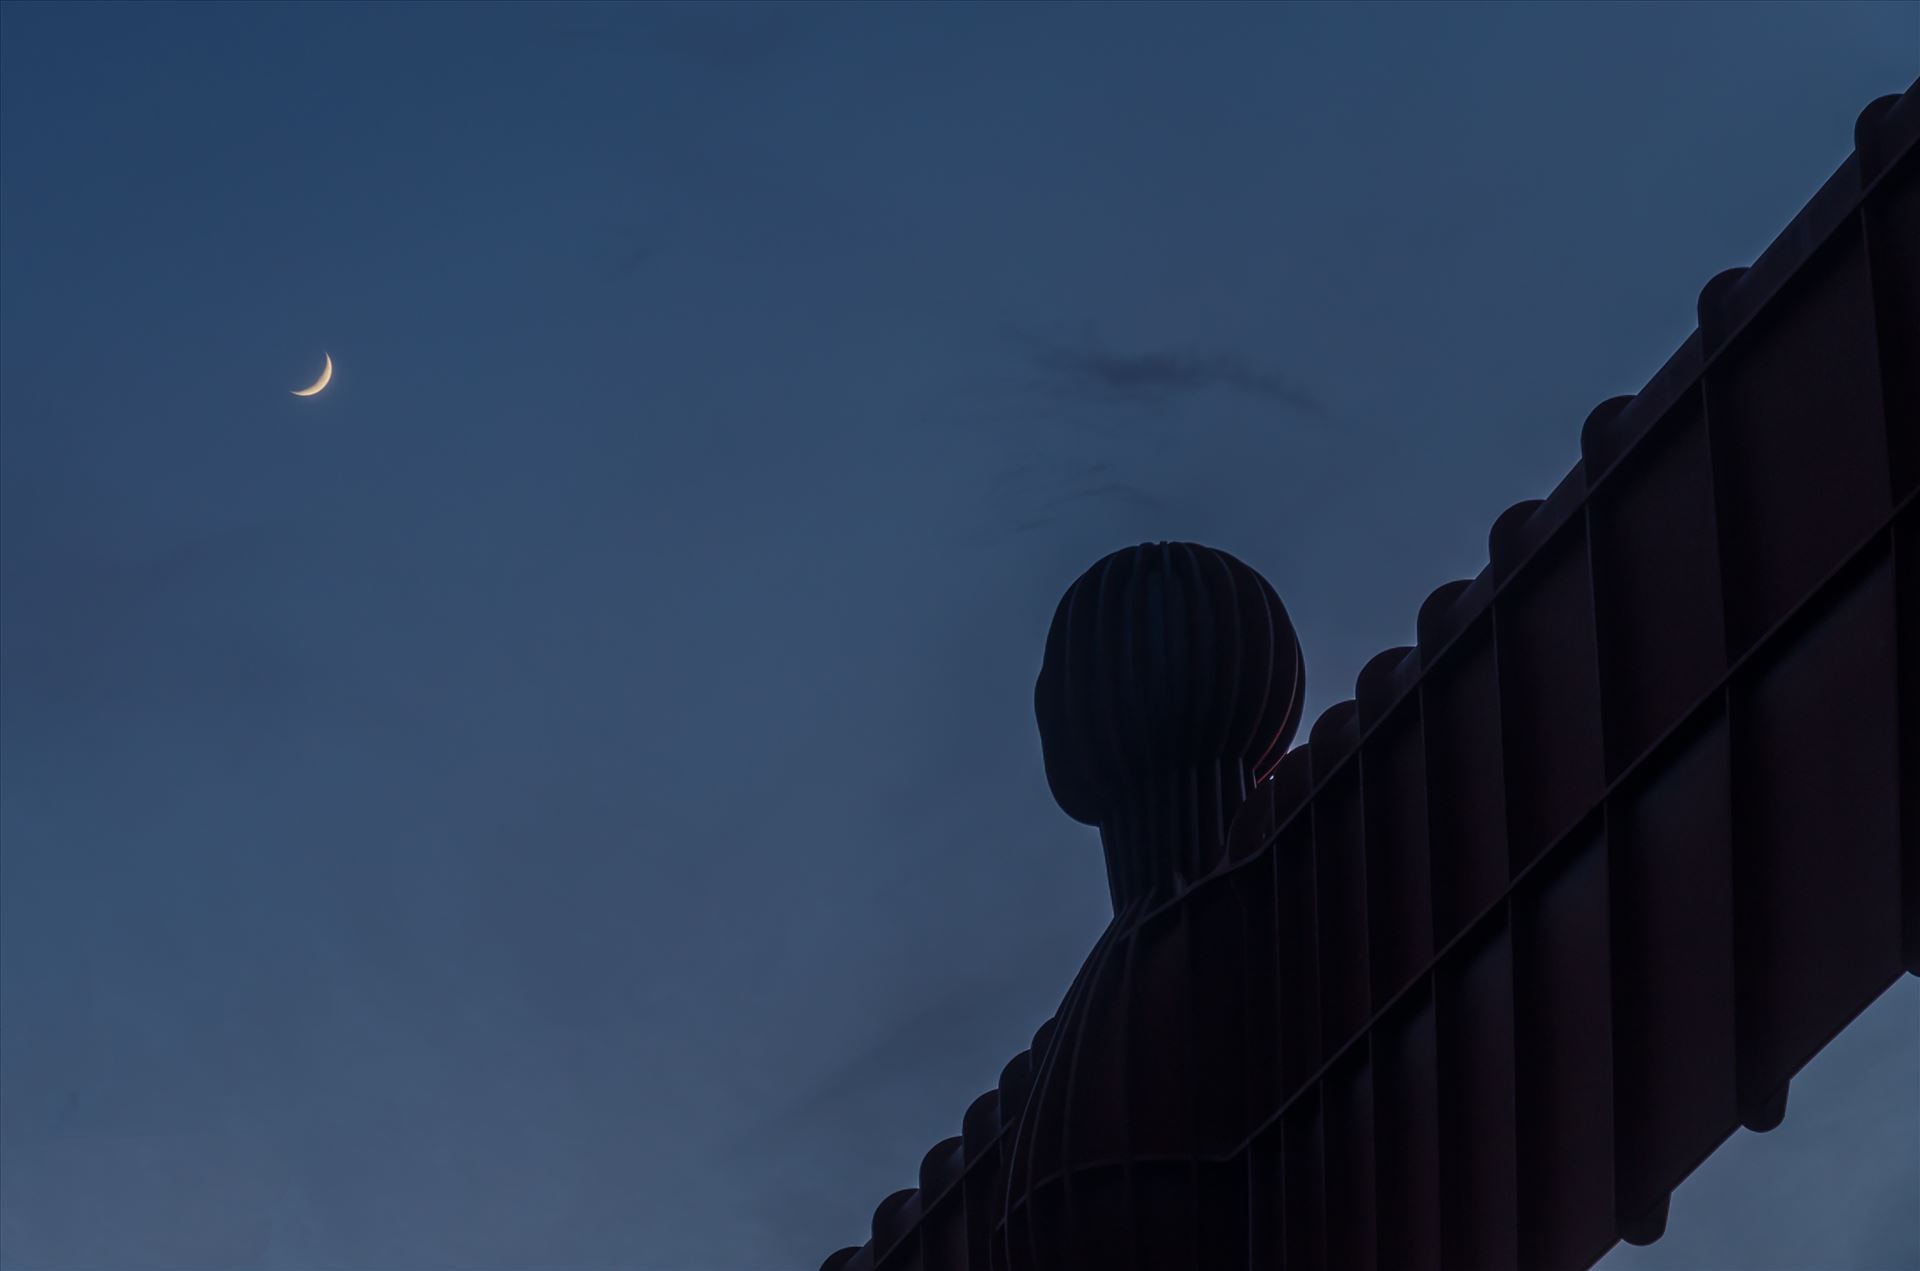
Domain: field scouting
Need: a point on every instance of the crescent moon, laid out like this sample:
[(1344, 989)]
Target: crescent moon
[(326, 377)]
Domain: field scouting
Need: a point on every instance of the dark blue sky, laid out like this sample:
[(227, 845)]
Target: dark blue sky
[(533, 805)]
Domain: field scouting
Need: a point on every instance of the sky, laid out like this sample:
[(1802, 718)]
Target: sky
[(567, 796)]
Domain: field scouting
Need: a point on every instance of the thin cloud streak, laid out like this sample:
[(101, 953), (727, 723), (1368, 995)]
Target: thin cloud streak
[(1157, 378)]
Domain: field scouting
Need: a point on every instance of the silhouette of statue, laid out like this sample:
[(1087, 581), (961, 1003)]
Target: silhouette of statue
[(1560, 898), (1171, 678)]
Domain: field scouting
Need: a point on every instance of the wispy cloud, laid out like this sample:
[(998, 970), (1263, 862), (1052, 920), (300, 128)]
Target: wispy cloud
[(1158, 377), (1035, 496)]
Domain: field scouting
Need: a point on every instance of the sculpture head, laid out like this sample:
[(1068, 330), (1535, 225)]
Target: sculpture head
[(1168, 665)]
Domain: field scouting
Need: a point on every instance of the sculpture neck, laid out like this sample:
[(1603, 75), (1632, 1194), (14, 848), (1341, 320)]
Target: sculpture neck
[(1171, 829)]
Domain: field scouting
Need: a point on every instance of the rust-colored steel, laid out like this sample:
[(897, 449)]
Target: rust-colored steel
[(1565, 895)]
